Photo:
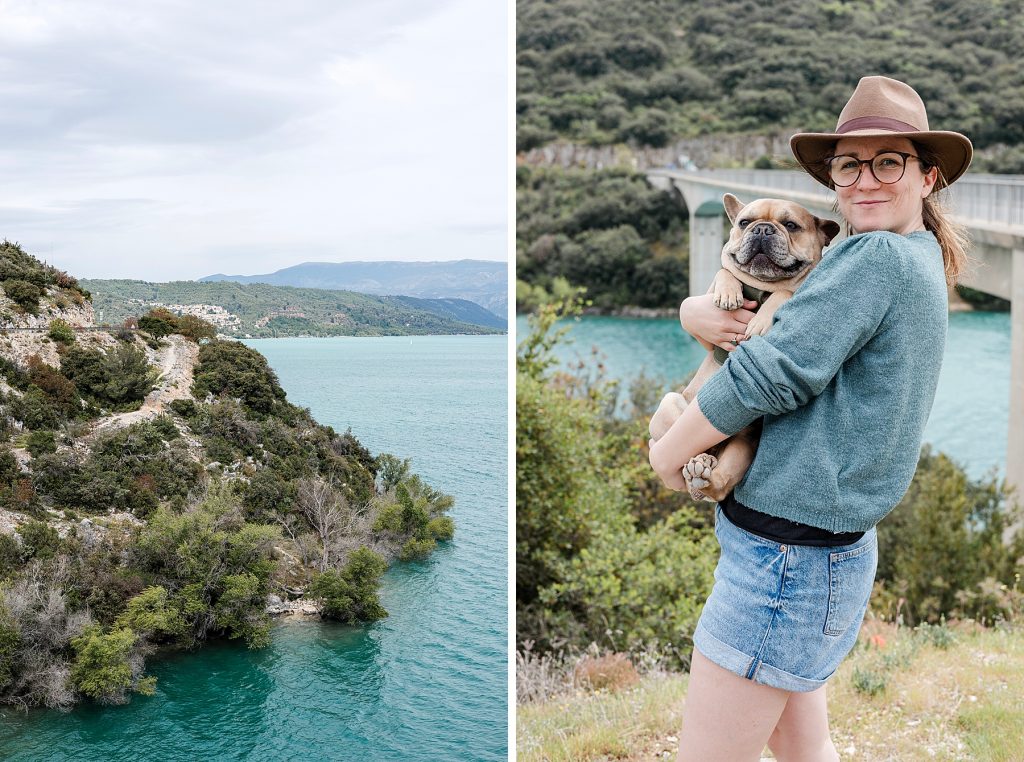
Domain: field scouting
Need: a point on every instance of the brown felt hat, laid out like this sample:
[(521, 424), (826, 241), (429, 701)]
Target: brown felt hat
[(883, 106)]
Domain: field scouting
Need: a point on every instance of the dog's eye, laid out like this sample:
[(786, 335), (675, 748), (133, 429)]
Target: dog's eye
[(742, 224), (792, 226)]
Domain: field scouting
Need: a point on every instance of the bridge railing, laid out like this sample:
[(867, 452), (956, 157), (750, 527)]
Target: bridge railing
[(997, 199)]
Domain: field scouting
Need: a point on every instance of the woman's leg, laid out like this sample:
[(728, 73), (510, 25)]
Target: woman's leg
[(726, 718), (802, 733)]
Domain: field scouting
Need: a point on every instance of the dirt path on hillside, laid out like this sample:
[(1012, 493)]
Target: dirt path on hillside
[(176, 360)]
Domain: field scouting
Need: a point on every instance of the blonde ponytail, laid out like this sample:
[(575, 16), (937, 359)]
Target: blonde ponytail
[(951, 235)]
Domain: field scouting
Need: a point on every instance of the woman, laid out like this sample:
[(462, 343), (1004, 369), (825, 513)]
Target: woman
[(845, 380)]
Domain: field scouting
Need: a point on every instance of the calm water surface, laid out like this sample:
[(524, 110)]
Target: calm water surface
[(968, 421), (427, 683)]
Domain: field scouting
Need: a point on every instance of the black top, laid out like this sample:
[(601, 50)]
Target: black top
[(782, 530)]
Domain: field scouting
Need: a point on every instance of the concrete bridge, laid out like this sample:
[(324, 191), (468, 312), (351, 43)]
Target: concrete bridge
[(990, 206)]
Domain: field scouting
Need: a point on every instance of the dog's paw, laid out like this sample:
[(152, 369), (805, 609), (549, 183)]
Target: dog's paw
[(728, 296), (758, 325), (697, 474)]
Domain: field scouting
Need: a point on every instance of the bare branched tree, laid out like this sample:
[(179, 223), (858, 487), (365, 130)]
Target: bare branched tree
[(331, 517)]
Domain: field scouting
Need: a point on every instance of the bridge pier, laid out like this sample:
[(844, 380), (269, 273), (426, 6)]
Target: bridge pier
[(1015, 438), (706, 239)]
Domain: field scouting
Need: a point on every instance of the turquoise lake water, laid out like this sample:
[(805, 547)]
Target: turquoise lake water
[(427, 683), (969, 418)]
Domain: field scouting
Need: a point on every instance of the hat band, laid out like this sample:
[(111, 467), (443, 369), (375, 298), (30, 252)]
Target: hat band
[(875, 123)]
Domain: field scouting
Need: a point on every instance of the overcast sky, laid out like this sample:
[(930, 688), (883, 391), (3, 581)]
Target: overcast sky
[(175, 139)]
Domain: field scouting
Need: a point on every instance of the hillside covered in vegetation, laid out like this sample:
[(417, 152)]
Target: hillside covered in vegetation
[(260, 310), (607, 231), (158, 489), (653, 71), (482, 281)]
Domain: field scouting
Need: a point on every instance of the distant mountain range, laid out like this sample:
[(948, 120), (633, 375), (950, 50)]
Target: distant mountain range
[(259, 309), (475, 280)]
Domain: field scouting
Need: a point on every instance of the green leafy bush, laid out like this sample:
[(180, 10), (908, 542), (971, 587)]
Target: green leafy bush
[(350, 595), (195, 328), (941, 544), (233, 369), (10, 555), (38, 540), (607, 231), (412, 517), (26, 295), (215, 566), (40, 442), (119, 378), (10, 641), (154, 614), (132, 469), (102, 668), (159, 322), (61, 332)]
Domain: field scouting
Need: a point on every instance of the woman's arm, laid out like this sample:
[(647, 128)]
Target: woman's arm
[(834, 313), (711, 325), (689, 436)]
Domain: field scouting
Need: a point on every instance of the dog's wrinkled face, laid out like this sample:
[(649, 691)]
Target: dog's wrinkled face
[(774, 240)]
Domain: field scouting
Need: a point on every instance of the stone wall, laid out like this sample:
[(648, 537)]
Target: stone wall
[(704, 152)]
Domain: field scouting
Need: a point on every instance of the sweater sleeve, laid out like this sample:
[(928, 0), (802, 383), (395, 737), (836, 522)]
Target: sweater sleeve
[(833, 313)]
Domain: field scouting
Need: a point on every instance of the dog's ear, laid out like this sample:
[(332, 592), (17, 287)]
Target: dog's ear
[(828, 229), (732, 206)]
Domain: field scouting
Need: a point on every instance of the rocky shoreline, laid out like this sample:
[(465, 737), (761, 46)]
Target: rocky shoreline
[(296, 609)]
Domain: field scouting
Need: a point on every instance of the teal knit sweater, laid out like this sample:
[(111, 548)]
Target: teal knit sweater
[(845, 380)]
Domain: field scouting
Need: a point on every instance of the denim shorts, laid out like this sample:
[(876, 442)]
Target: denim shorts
[(784, 615)]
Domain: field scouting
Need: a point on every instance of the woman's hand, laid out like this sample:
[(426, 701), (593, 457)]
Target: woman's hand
[(665, 467), (712, 326)]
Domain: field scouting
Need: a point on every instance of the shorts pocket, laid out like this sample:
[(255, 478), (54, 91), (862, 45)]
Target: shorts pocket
[(851, 578)]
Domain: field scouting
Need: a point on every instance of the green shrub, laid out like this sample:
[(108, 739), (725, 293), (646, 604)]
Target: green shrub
[(194, 328), (869, 682), (39, 540), (159, 322), (132, 470), (215, 566), (412, 516), (350, 595), (267, 496), (102, 669), (61, 332), (26, 295), (441, 528), (938, 546), (564, 487), (233, 369), (416, 547), (153, 614), (10, 642), (10, 554), (634, 588), (186, 408), (9, 470), (239, 609), (120, 377), (40, 442), (61, 394)]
